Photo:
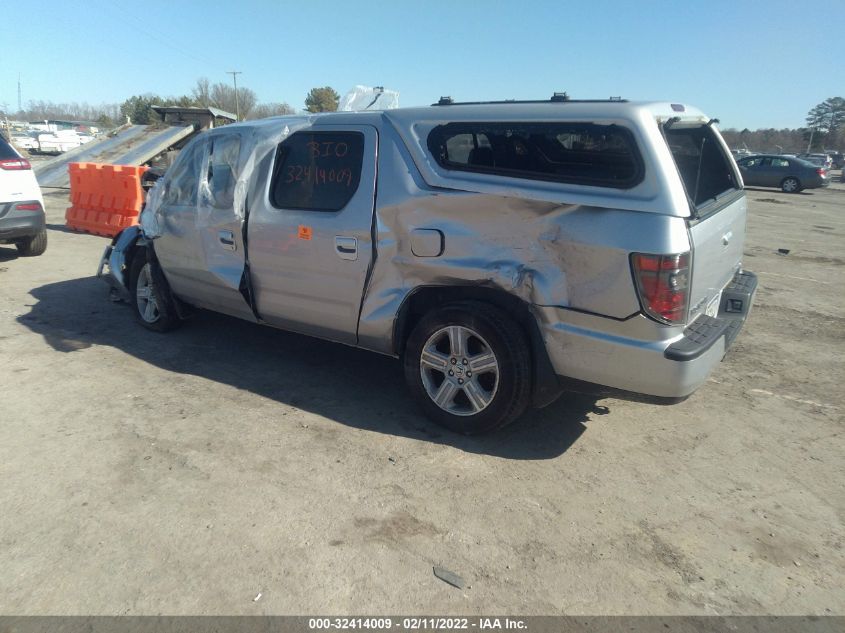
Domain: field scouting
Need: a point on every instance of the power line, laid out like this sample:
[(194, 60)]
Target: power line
[(141, 27)]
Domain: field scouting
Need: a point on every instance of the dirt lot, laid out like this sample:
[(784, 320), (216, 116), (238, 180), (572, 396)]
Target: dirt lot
[(189, 472)]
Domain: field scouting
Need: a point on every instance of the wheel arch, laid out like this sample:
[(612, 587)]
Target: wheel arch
[(545, 385)]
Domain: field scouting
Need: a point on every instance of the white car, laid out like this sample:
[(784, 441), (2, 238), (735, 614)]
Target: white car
[(22, 220), (25, 141)]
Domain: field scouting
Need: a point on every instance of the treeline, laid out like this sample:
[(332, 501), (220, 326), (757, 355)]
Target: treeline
[(138, 108), (825, 131), (783, 141), (39, 110)]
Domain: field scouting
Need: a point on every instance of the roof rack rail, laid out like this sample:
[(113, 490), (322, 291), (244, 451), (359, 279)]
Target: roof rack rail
[(558, 97)]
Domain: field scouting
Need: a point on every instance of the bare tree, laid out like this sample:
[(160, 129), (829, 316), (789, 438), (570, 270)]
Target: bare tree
[(264, 110), (202, 92), (40, 110), (223, 97)]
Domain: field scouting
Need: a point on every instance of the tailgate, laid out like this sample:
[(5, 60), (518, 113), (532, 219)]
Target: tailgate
[(717, 242)]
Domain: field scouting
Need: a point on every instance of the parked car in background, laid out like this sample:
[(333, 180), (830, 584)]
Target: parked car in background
[(501, 250), (24, 141), (58, 142), (838, 159), (820, 160), (789, 174), (22, 220)]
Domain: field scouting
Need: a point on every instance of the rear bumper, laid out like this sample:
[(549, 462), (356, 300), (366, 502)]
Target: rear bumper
[(16, 224), (705, 331), (640, 355)]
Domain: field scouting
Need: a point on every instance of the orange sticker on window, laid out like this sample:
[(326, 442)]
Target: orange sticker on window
[(304, 232)]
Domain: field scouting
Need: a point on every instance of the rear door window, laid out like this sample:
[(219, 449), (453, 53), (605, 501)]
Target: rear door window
[(317, 171), (567, 152)]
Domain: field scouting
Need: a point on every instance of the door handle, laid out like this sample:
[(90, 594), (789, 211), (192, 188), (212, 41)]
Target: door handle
[(346, 247), (227, 239)]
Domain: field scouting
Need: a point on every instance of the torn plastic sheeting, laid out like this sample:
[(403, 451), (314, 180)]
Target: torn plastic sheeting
[(369, 98), (221, 194)]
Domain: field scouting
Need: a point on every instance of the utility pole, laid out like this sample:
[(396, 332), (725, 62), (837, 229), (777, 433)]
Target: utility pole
[(235, 74), (19, 93)]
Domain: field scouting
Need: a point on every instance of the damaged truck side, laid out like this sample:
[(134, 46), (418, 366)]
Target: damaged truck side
[(503, 251)]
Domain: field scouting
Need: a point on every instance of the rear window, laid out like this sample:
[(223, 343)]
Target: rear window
[(6, 150), (317, 171), (577, 153), (704, 166)]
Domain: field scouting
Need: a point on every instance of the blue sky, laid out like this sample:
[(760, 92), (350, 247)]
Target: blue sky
[(751, 64)]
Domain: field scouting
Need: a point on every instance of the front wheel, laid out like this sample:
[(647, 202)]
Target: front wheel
[(153, 305), (790, 185), (468, 366)]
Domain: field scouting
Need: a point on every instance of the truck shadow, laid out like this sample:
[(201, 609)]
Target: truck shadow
[(353, 387)]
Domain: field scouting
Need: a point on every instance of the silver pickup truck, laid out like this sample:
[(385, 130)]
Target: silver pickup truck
[(503, 251)]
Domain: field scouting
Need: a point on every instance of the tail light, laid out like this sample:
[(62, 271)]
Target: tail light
[(821, 172), (15, 164), (663, 285), (28, 206)]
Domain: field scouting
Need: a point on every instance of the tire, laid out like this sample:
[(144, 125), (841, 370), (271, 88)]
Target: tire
[(462, 338), (33, 246), (790, 185), (153, 303)]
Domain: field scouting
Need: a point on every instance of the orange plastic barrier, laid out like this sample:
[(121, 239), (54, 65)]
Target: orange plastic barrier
[(105, 199)]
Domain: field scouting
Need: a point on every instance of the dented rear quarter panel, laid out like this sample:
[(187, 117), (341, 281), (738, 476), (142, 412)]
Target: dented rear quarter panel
[(548, 252)]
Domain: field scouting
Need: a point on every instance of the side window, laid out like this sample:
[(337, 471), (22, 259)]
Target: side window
[(183, 183), (223, 170), (578, 153), (317, 171), (780, 163), (469, 149)]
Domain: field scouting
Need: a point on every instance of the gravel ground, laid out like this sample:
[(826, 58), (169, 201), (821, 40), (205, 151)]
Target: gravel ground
[(187, 473)]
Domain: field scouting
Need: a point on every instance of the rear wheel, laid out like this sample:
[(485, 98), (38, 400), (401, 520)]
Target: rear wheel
[(468, 366), (153, 304), (790, 185), (33, 246)]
